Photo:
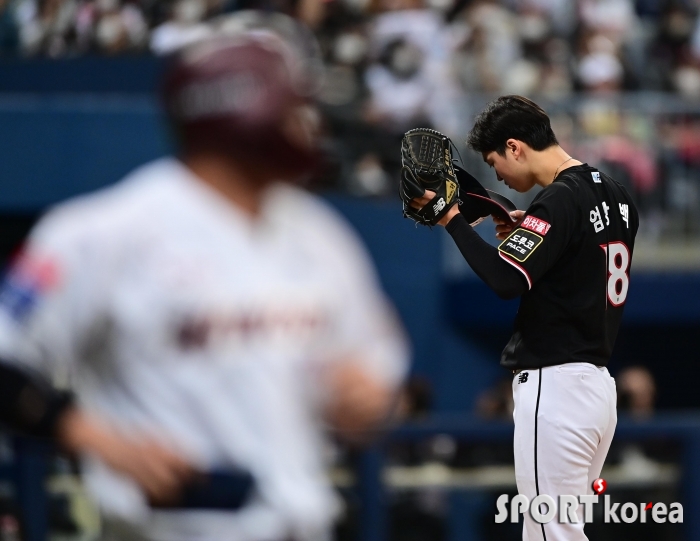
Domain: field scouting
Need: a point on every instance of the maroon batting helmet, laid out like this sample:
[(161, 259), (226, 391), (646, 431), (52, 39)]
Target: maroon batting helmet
[(239, 96)]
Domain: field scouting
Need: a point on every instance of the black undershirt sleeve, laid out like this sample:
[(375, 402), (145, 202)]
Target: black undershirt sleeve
[(28, 403), (483, 258)]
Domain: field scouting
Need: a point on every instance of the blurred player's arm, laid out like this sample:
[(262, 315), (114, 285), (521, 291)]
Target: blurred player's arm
[(49, 301), (506, 281), (360, 402), (161, 473), (484, 259), (368, 355), (31, 406)]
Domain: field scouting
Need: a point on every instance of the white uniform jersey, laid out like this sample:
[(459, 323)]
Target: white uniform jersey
[(174, 314)]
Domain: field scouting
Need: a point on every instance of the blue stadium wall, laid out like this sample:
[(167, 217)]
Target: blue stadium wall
[(67, 127)]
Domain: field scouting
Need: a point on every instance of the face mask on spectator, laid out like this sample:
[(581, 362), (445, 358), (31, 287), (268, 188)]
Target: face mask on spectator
[(105, 6), (350, 48), (189, 11), (403, 59)]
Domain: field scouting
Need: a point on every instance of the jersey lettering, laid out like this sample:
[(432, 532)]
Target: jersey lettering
[(520, 244), (536, 225), (596, 217), (568, 288), (596, 220), (606, 208), (625, 213), (618, 265)]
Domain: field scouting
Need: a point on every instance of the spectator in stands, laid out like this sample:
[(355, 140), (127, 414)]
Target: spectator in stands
[(636, 391), (399, 92), (600, 69), (410, 80), (496, 402), (120, 28), (58, 28), (395, 64), (9, 28), (555, 77), (416, 399), (184, 26), (345, 63), (640, 460), (560, 14), (47, 30), (616, 19), (492, 46)]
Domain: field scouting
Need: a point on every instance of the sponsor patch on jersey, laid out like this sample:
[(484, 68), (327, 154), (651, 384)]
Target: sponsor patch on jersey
[(520, 244), (536, 225), (596, 177), (28, 279)]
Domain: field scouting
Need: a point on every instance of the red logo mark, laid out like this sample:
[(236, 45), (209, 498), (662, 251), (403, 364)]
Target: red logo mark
[(599, 486), (34, 270), (536, 225), (648, 506)]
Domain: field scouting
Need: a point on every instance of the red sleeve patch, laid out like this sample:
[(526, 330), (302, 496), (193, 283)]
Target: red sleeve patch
[(535, 225), (30, 277)]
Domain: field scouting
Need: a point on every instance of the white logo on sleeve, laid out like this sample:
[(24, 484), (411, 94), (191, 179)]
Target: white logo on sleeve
[(596, 177)]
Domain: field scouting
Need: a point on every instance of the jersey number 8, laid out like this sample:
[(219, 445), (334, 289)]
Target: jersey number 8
[(618, 264)]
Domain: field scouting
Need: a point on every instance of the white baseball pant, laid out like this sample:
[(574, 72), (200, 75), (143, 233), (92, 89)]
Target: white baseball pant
[(565, 418)]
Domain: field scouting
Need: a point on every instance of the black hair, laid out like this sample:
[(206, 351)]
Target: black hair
[(511, 117)]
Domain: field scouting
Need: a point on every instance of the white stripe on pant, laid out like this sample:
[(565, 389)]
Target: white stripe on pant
[(565, 418)]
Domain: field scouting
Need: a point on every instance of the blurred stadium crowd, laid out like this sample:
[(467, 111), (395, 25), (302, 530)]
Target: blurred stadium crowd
[(392, 65), (549, 47)]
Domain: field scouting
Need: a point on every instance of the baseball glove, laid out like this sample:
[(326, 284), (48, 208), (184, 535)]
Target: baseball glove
[(426, 159)]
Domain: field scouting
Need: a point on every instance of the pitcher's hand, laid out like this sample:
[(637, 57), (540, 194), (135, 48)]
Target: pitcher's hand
[(419, 202), (504, 229)]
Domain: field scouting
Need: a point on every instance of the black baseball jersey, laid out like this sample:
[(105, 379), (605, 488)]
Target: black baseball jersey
[(574, 248)]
